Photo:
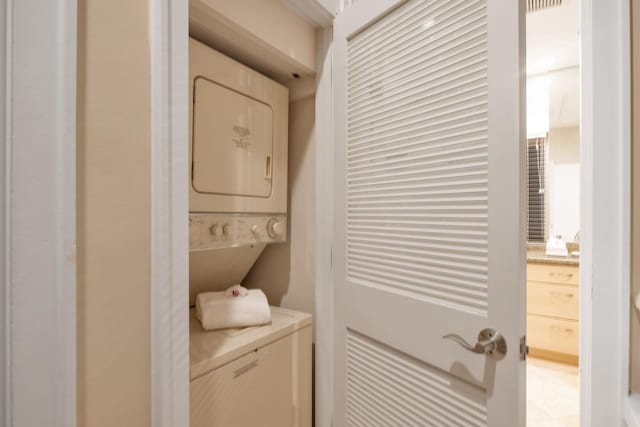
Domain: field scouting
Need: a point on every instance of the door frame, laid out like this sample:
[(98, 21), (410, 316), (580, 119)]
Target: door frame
[(605, 211), (38, 185), (169, 48), (605, 145), (169, 25), (324, 230)]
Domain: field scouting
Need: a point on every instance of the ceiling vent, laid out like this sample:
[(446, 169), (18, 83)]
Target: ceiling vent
[(536, 5)]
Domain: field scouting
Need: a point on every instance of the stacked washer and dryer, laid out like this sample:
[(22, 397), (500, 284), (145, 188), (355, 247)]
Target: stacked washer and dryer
[(257, 376)]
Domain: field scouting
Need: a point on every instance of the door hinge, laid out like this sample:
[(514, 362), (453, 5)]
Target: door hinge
[(524, 348)]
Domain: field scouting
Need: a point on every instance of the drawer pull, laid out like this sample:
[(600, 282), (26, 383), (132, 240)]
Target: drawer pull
[(244, 369), (567, 275), (566, 331), (564, 295)]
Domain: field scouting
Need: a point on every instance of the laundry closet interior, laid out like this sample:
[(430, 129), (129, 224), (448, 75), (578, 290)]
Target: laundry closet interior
[(252, 85)]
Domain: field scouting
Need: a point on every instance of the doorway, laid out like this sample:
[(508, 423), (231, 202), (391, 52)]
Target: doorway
[(553, 213)]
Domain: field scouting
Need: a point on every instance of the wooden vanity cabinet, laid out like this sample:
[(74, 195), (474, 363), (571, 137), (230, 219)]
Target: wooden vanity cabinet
[(552, 311)]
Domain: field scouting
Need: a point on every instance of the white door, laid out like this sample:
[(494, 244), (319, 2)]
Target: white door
[(429, 227)]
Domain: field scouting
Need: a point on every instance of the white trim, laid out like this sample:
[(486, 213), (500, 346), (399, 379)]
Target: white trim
[(5, 295), (624, 123), (40, 228), (605, 210), (586, 223), (66, 218), (314, 11), (169, 213), (324, 141), (631, 411)]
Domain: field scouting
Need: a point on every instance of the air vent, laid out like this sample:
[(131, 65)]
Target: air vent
[(536, 5)]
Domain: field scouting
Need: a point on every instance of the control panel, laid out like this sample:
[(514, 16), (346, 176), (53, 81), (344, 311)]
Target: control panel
[(217, 231)]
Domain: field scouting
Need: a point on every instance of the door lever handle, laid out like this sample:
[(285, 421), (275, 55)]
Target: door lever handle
[(490, 342)]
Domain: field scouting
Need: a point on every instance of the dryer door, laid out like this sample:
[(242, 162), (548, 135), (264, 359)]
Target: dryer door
[(232, 142)]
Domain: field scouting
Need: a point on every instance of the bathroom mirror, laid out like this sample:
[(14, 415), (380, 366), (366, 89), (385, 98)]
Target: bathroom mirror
[(553, 157)]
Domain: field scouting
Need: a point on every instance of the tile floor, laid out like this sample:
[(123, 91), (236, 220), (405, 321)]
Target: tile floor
[(553, 394)]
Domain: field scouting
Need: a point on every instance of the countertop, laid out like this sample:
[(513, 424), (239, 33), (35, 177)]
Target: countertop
[(538, 256)]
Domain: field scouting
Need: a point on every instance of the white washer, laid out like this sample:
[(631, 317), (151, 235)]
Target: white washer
[(259, 376)]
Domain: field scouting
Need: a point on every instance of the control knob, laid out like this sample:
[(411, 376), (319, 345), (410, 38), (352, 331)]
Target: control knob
[(216, 231), (275, 228)]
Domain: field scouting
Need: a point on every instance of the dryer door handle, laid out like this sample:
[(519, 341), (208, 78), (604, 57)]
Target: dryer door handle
[(268, 168)]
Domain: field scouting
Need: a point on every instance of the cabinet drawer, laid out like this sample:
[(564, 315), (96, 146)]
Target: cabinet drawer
[(555, 335), (553, 273), (552, 300)]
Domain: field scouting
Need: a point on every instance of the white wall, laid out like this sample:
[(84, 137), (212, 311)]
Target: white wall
[(564, 145), (564, 182), (286, 272)]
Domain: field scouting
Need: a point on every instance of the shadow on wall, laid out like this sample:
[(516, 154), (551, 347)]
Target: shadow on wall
[(216, 270), (286, 272), (272, 272)]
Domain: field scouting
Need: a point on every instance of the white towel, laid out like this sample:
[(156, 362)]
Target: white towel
[(237, 291), (217, 310)]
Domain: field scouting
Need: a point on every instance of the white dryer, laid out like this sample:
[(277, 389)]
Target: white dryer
[(238, 150), (238, 176)]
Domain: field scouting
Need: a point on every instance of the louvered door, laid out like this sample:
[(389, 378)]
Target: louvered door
[(429, 211)]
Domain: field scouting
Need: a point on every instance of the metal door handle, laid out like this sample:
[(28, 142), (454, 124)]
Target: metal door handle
[(490, 342)]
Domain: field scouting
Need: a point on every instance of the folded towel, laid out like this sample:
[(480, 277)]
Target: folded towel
[(237, 291), (217, 310)]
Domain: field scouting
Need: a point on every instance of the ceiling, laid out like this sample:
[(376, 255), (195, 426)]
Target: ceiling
[(553, 42)]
